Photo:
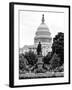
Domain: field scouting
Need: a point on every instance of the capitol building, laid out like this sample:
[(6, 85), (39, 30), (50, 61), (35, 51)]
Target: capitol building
[(43, 36)]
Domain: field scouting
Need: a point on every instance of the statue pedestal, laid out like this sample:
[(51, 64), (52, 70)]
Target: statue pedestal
[(40, 63), (40, 59)]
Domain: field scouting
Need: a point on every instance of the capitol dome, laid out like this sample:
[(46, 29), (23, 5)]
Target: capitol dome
[(42, 34)]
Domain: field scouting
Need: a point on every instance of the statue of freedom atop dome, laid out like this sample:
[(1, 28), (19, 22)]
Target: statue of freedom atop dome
[(43, 18), (39, 51)]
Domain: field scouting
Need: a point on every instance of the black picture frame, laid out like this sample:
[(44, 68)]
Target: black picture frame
[(11, 42)]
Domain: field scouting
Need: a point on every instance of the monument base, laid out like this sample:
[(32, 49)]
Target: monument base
[(39, 64), (40, 57)]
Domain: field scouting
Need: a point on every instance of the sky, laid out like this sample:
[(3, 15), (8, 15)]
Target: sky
[(30, 21)]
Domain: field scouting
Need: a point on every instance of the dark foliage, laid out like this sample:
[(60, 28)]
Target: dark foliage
[(55, 61), (22, 62), (47, 58), (31, 57), (58, 46)]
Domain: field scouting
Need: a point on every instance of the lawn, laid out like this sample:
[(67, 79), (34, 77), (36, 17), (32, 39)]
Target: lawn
[(41, 75)]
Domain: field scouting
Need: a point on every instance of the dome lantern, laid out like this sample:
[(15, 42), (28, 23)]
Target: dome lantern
[(43, 18)]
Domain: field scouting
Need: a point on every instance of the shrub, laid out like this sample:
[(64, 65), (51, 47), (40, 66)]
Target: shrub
[(55, 61), (31, 57), (22, 62), (47, 58)]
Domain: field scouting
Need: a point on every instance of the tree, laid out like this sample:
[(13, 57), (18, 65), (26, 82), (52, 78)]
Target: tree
[(31, 57), (47, 58), (22, 62), (55, 61), (58, 46)]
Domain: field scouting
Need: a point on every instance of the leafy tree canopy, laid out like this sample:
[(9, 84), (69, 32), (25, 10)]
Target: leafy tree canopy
[(58, 46)]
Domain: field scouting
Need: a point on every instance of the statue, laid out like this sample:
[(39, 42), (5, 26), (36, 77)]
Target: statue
[(39, 52)]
